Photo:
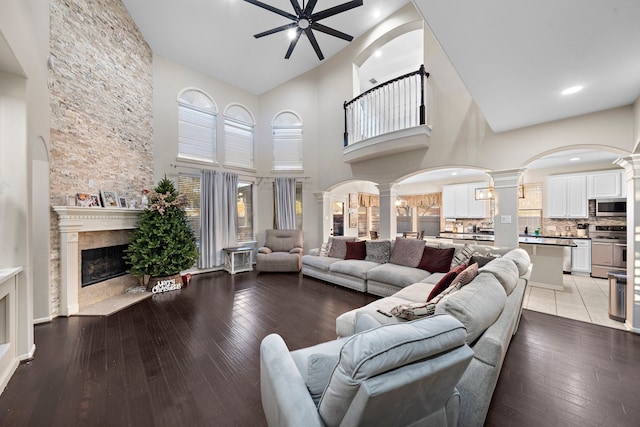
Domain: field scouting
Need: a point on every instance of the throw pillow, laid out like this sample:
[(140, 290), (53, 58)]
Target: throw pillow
[(467, 275), (319, 369), (462, 256), (446, 280), (436, 260), (481, 260), (324, 249), (414, 310), (339, 246), (407, 252), (378, 251), (356, 250)]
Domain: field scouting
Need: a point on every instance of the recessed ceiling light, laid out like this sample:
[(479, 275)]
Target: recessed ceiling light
[(574, 159), (572, 89), (291, 34), (377, 53), (376, 13), (454, 173)]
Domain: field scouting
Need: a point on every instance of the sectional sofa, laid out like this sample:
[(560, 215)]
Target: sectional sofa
[(489, 307)]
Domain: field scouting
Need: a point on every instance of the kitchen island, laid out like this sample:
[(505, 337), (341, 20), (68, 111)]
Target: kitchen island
[(546, 255)]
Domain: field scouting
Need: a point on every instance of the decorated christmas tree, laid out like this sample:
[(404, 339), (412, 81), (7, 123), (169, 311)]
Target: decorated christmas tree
[(163, 244)]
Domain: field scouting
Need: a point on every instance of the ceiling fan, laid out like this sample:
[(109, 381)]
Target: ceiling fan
[(304, 21)]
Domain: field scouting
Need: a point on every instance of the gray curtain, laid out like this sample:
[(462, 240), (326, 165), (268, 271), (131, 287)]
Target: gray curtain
[(285, 203), (218, 216)]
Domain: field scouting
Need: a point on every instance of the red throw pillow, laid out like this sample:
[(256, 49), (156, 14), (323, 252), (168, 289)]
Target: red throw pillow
[(435, 260), (356, 250), (446, 280)]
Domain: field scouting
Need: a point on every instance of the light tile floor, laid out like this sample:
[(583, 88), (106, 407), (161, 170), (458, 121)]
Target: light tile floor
[(584, 298)]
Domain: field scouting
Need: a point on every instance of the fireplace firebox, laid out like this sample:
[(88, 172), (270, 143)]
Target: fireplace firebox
[(100, 264)]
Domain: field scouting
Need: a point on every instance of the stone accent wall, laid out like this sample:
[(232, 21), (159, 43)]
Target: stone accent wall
[(101, 107)]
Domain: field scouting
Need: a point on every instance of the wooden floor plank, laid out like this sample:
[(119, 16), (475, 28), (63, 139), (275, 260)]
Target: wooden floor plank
[(191, 357)]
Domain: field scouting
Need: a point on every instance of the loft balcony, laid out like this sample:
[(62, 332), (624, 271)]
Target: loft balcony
[(387, 119)]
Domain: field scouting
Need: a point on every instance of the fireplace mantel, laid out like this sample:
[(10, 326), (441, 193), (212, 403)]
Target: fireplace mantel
[(73, 220)]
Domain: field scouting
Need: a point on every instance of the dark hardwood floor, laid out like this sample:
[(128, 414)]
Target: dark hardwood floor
[(191, 357)]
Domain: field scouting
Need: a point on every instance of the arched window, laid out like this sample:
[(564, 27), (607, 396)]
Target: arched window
[(196, 126), (238, 136), (287, 141)]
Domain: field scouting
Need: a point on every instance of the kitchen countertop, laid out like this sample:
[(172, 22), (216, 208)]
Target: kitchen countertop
[(523, 238)]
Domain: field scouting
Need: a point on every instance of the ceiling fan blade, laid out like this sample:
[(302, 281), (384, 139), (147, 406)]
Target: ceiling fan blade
[(335, 10), (314, 43), (275, 30), (331, 31), (309, 8), (296, 7), (272, 9), (292, 45)]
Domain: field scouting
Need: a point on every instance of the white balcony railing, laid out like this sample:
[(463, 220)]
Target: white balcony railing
[(391, 106)]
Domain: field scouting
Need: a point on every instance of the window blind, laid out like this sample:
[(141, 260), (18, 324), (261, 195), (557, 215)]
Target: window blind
[(238, 143), (196, 133), (287, 148)]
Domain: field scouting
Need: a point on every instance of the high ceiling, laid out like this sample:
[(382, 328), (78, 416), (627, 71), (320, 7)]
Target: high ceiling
[(514, 56)]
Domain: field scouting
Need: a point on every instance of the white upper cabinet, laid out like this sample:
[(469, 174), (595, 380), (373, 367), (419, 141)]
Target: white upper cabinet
[(607, 184), (567, 196), (459, 201)]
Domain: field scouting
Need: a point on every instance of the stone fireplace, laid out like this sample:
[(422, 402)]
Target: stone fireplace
[(84, 229)]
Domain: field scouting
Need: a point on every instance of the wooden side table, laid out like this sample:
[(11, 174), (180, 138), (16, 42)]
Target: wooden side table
[(238, 259)]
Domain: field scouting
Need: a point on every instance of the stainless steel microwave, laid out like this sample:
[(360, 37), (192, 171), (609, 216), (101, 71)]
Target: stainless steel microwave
[(611, 207)]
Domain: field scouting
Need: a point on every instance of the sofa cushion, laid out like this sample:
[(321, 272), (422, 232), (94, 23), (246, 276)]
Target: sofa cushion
[(505, 271), (283, 240), (353, 267), (477, 305), (462, 256), (339, 246), (319, 262), (319, 369), (356, 250), (446, 281), (396, 275), (521, 258), (417, 292), (407, 252), (481, 260), (383, 349), (378, 251), (436, 260)]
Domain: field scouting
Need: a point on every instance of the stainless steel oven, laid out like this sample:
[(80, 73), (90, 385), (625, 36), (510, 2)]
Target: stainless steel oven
[(608, 249), (611, 207)]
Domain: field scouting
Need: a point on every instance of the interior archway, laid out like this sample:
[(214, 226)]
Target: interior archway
[(40, 231)]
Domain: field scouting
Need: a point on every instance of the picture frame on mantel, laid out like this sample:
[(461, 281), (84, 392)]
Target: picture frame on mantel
[(109, 199), (95, 201), (122, 201)]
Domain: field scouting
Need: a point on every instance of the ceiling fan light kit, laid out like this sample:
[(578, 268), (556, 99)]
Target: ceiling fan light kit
[(305, 21)]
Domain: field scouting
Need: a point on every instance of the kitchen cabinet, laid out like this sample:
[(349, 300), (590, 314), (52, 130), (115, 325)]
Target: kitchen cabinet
[(459, 201), (607, 184), (567, 196), (581, 257)]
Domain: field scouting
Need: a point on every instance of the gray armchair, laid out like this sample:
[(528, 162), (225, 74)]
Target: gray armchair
[(282, 251), (398, 374)]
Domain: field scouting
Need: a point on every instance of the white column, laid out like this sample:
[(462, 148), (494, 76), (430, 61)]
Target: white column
[(388, 212), (505, 220), (631, 164), (326, 213), (69, 277)]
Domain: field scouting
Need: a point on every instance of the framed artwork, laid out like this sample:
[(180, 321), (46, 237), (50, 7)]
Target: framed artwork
[(95, 201), (122, 201), (109, 199), (83, 200), (353, 201), (353, 219)]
